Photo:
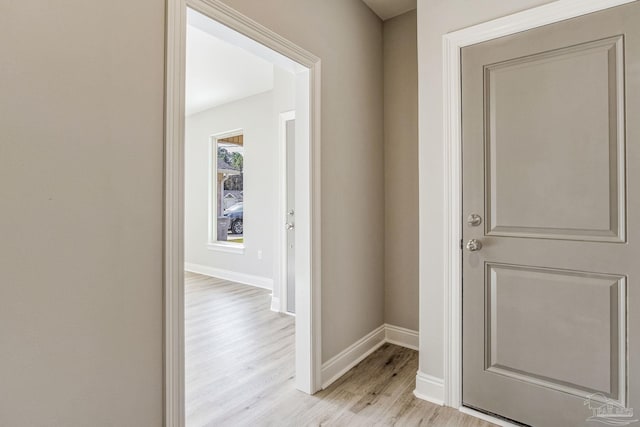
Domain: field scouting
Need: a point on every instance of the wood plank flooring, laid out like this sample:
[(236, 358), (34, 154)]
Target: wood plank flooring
[(240, 371)]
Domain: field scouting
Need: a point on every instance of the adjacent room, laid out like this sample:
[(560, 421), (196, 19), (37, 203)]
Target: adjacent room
[(239, 219)]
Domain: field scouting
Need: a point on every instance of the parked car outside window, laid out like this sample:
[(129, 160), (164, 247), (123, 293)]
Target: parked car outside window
[(235, 215)]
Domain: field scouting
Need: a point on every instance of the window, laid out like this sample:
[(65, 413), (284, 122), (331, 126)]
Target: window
[(227, 189)]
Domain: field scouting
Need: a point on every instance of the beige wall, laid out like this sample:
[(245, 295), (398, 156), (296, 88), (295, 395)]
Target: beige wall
[(81, 119), (81, 191), (401, 170), (435, 18), (347, 36)]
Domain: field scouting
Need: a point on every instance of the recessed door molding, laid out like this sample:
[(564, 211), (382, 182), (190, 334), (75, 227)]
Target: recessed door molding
[(451, 392), (308, 297)]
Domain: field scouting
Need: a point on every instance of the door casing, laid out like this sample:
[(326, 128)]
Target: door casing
[(452, 195), (308, 297)]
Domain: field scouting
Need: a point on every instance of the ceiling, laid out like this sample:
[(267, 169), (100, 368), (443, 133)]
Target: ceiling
[(223, 66), (218, 72), (387, 9)]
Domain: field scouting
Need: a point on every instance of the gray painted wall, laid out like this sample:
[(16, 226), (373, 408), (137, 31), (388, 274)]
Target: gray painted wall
[(347, 36), (401, 170), (435, 18), (81, 114), (81, 192)]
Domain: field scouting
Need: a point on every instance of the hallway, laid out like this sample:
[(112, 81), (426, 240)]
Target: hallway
[(240, 367)]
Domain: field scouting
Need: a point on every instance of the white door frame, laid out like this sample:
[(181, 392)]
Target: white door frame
[(452, 201), (282, 260), (308, 297)]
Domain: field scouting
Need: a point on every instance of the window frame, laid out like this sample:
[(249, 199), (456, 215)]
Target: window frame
[(212, 235)]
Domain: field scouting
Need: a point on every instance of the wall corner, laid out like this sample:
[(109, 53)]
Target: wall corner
[(429, 388)]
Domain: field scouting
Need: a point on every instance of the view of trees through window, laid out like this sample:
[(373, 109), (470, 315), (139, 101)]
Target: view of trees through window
[(229, 190)]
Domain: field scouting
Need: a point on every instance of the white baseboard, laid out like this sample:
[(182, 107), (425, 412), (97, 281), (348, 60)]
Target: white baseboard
[(401, 336), (429, 388), (340, 364), (245, 279), (275, 304)]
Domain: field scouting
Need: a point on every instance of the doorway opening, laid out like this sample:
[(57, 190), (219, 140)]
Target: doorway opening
[(228, 216), (236, 93)]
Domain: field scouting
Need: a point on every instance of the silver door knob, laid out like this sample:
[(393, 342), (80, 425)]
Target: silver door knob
[(289, 226), (474, 220), (474, 245)]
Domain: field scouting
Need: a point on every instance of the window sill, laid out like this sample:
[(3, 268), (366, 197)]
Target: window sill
[(231, 248)]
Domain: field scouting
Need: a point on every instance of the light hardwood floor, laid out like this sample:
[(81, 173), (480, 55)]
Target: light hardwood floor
[(240, 370)]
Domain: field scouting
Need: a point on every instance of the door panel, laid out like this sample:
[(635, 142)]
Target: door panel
[(291, 233), (551, 161), (563, 313), (578, 192)]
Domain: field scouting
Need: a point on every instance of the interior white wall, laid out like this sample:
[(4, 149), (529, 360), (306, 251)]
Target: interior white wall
[(436, 18), (284, 91), (257, 116), (253, 115)]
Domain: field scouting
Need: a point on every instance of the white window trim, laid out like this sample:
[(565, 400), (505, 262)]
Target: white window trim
[(227, 247), (212, 233)]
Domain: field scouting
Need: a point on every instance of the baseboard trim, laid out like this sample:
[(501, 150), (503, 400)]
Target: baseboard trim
[(341, 363), (429, 388), (401, 336), (275, 304), (245, 279)]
